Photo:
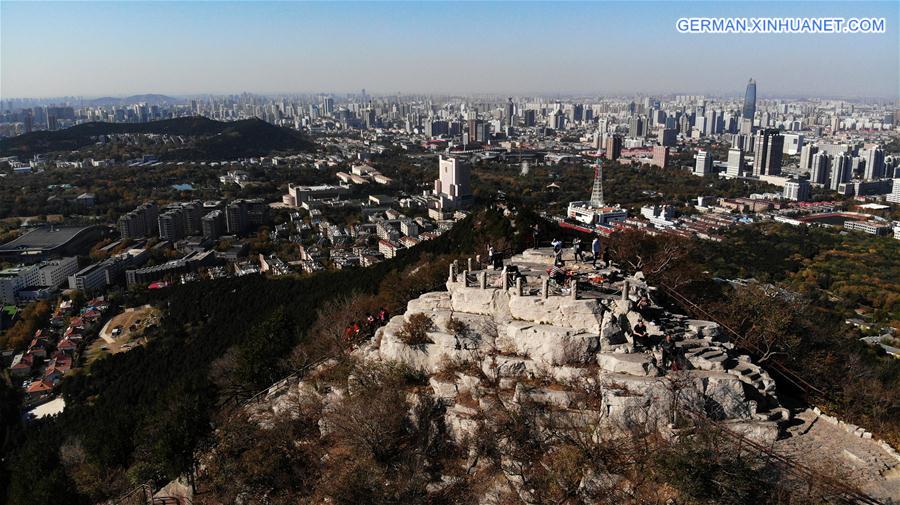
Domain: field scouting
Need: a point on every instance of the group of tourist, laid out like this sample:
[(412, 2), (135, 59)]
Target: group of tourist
[(365, 329), (598, 252)]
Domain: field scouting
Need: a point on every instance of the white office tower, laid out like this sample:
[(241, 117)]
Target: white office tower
[(841, 168), (818, 168), (806, 155), (735, 166), (874, 163), (452, 188), (797, 190), (603, 126), (894, 195), (704, 164), (792, 143), (700, 124)]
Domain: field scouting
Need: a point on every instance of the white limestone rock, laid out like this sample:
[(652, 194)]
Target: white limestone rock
[(725, 397), (461, 421), (428, 302), (633, 364), (552, 345), (508, 366), (582, 315), (556, 397), (611, 332), (443, 390), (474, 300)]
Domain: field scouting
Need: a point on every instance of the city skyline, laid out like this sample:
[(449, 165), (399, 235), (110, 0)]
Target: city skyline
[(436, 48)]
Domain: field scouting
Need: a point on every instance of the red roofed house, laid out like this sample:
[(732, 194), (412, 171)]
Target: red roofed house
[(39, 389)]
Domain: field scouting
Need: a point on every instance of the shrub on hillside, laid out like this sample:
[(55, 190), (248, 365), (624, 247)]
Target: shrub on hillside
[(415, 330)]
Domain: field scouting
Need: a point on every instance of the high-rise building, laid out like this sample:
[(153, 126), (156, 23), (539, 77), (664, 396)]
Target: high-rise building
[(483, 132), (793, 142), (193, 212), (213, 224), (530, 117), (749, 109), (613, 147), (436, 127), (140, 222), (559, 120), (636, 127), (703, 166), (660, 156), (472, 132), (894, 195), (818, 168), (874, 163), (797, 190), (236, 220), (768, 153), (841, 169), (806, 155), (735, 166), (328, 106), (171, 225), (667, 137), (509, 113), (452, 188)]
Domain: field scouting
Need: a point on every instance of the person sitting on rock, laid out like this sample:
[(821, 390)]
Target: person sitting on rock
[(382, 315), (643, 305), (640, 334), (557, 275)]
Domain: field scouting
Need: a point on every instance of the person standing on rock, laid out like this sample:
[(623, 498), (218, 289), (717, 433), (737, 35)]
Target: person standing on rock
[(595, 250), (557, 252), (668, 349), (576, 250)]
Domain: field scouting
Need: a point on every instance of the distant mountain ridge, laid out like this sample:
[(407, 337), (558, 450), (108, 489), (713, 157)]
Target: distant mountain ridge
[(218, 140)]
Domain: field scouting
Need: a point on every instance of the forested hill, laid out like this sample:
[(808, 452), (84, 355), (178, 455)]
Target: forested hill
[(213, 139)]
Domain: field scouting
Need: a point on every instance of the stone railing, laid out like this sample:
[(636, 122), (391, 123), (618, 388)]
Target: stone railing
[(506, 279)]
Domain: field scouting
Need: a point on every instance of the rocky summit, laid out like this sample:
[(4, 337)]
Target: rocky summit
[(569, 344), (517, 330)]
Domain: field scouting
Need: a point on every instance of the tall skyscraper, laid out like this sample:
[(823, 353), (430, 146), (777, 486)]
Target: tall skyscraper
[(874, 163), (768, 152), (613, 147), (660, 156), (510, 112), (327, 106), (841, 168), (452, 189), (749, 101), (530, 118), (704, 164), (806, 154), (667, 137), (735, 167), (818, 168)]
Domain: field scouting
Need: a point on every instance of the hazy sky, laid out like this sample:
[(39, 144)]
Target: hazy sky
[(120, 48)]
